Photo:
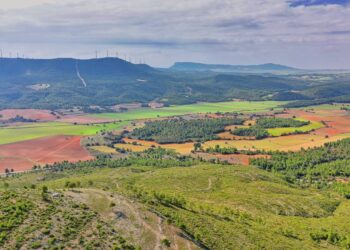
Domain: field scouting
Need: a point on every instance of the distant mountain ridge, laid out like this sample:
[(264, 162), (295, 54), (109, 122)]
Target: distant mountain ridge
[(267, 67), (66, 68), (105, 82)]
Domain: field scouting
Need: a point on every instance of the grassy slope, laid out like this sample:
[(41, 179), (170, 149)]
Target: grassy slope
[(227, 207), (39, 130), (145, 113)]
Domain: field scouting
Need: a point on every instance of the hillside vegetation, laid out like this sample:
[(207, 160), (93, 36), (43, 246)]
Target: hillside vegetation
[(65, 83), (313, 166), (217, 206)]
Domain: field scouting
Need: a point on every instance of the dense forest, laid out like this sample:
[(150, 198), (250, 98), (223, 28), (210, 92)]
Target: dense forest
[(180, 130)]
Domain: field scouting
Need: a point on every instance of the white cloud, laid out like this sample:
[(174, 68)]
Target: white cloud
[(218, 31)]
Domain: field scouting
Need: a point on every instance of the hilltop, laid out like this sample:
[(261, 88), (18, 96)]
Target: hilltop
[(17, 69)]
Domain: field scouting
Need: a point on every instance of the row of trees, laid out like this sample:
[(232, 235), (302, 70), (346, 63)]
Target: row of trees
[(274, 122)]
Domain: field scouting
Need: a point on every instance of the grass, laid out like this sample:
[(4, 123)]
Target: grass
[(147, 113), (225, 207), (307, 128), (39, 130)]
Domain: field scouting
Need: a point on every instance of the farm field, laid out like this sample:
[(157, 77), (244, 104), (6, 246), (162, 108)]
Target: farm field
[(147, 113), (307, 128), (141, 145), (34, 114), (326, 125), (30, 131), (241, 159), (283, 143), (22, 156)]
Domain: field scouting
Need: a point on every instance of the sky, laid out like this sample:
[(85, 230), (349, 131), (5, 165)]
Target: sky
[(312, 34)]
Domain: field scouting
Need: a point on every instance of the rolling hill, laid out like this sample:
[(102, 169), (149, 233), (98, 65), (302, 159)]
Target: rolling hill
[(66, 68), (68, 82)]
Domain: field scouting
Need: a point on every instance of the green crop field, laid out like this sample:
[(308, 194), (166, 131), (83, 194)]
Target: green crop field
[(224, 207), (39, 130), (145, 113), (307, 128)]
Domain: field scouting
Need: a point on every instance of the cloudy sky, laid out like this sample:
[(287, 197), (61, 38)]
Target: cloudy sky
[(300, 33)]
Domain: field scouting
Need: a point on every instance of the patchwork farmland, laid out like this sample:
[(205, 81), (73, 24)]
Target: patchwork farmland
[(53, 132)]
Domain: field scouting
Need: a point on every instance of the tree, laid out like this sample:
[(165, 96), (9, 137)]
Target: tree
[(44, 193), (197, 146)]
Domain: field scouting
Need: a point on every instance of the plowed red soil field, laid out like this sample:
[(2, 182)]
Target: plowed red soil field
[(34, 114), (23, 156)]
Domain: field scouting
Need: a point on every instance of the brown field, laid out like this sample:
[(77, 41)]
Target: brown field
[(232, 158), (283, 143), (34, 114), (23, 156), (183, 148), (228, 136)]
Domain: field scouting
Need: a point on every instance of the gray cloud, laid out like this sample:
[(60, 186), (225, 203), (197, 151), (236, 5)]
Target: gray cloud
[(239, 31)]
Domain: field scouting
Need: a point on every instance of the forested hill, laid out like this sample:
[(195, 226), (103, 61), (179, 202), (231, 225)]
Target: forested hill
[(67, 82), (16, 69)]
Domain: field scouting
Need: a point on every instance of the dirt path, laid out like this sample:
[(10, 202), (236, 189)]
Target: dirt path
[(137, 223), (158, 232), (79, 76), (209, 185)]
